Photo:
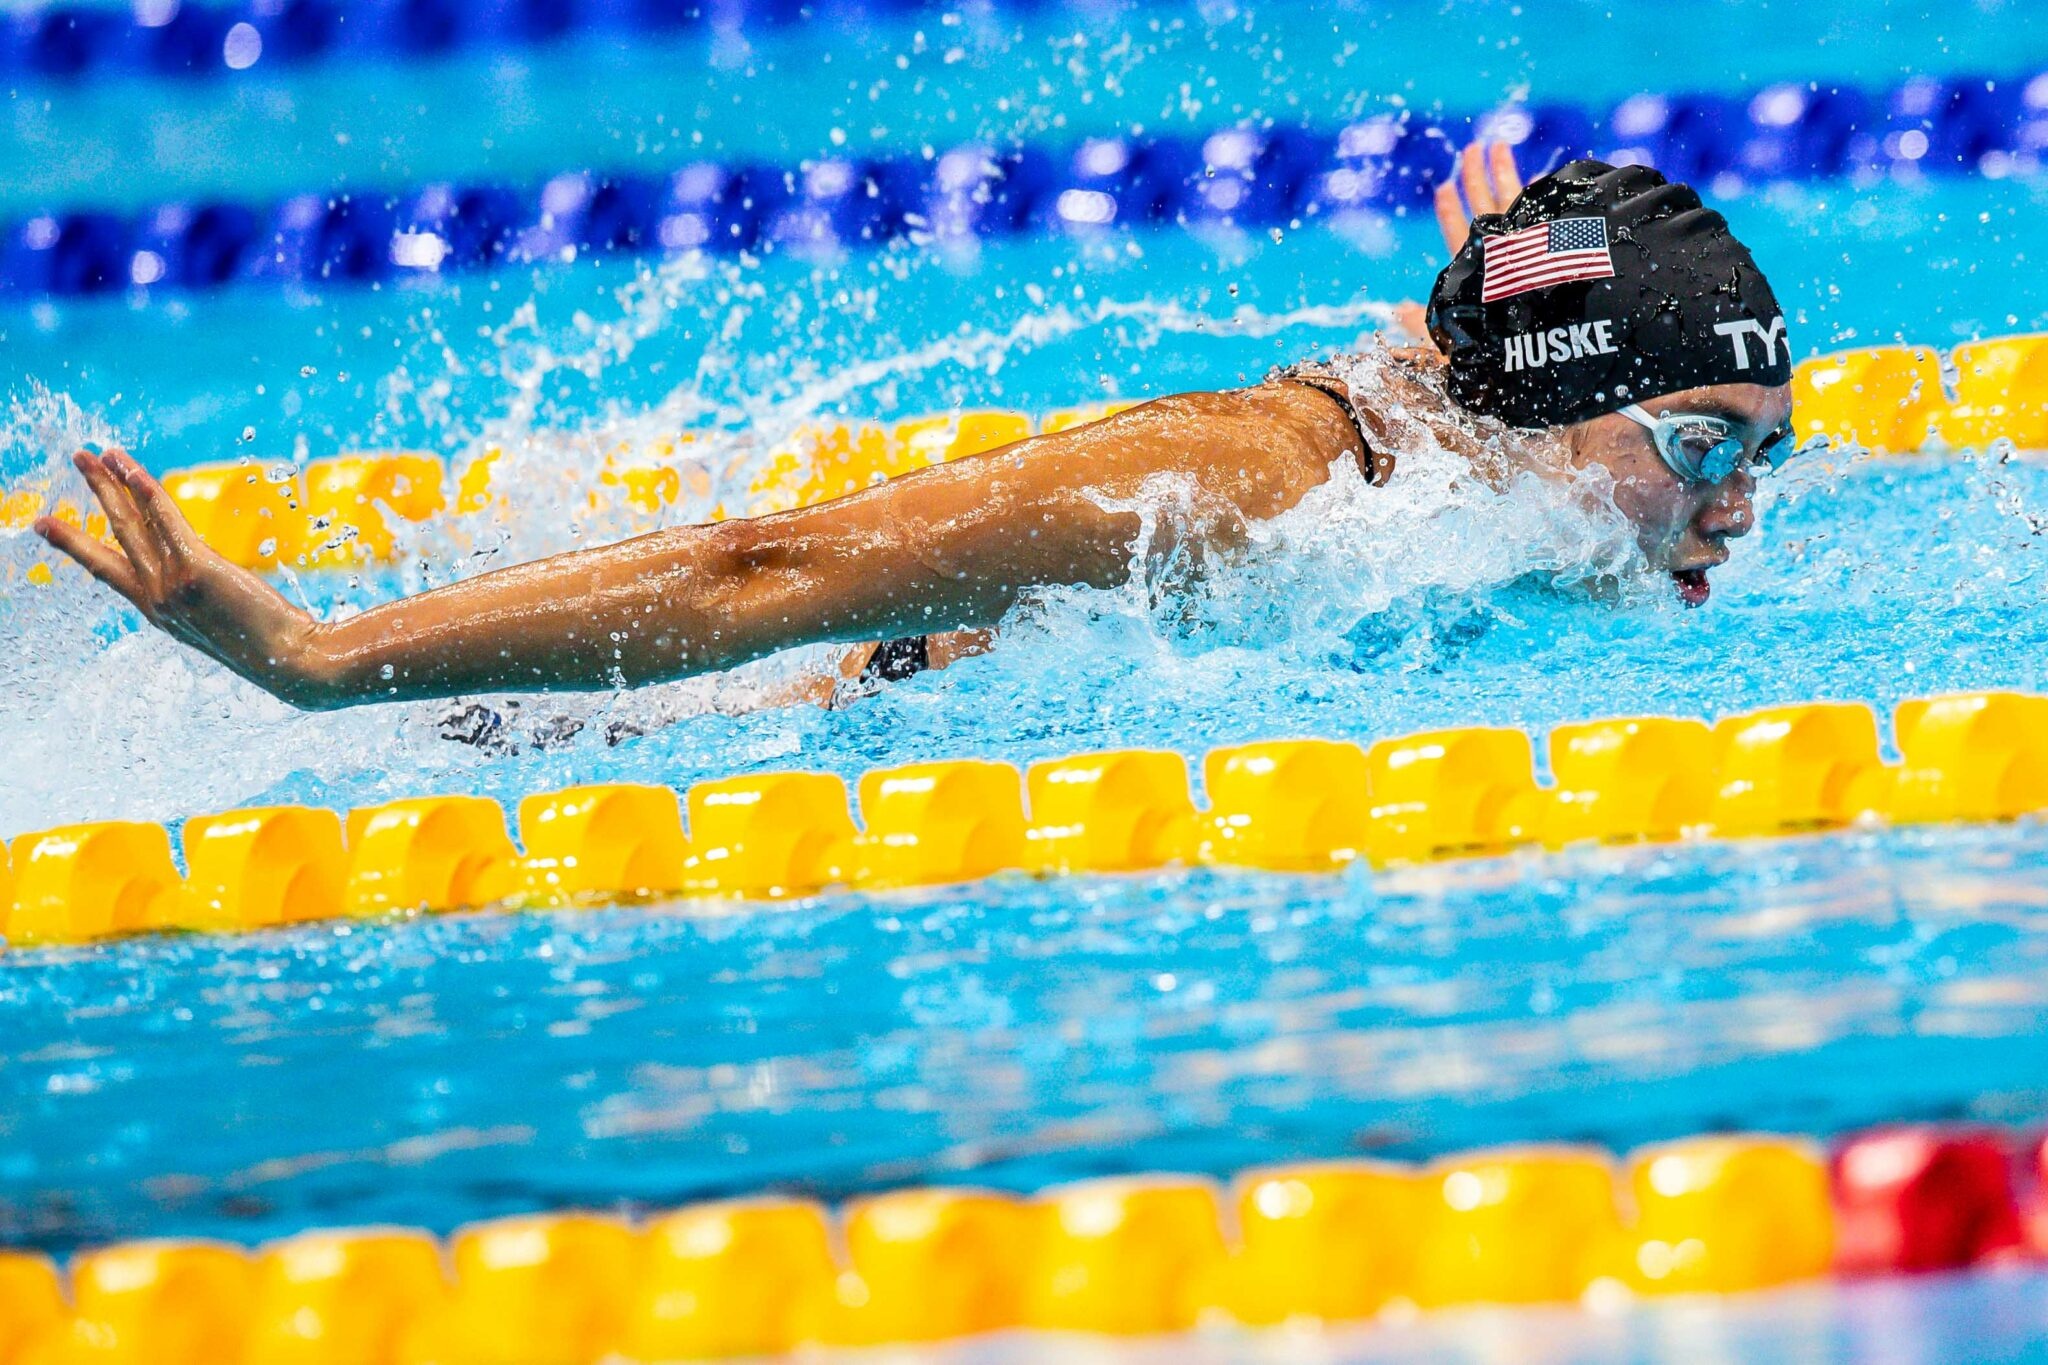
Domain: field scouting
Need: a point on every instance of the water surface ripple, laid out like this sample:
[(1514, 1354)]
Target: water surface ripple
[(1018, 1032)]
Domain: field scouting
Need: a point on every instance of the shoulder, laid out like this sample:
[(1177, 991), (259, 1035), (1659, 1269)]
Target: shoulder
[(1272, 419), (1282, 404)]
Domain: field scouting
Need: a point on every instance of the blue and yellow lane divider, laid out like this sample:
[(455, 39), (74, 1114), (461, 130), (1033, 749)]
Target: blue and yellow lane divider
[(348, 511), (1297, 1244), (1297, 805)]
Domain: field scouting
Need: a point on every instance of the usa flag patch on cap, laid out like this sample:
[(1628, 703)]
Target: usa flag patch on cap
[(1550, 253)]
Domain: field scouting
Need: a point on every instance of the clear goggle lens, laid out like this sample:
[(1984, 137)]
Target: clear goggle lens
[(1707, 449)]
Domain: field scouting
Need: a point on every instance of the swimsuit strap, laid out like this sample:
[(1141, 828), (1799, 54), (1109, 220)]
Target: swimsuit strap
[(1379, 465)]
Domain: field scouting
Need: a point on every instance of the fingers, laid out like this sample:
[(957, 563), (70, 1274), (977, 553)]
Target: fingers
[(122, 517), (1486, 180), (1507, 177), (1472, 176), (1451, 217), (158, 509), (99, 560)]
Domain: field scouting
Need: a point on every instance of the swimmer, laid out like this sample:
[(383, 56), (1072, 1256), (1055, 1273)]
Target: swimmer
[(1602, 305)]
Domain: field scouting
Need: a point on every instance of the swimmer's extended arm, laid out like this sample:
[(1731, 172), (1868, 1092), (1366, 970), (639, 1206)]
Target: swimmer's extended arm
[(945, 548)]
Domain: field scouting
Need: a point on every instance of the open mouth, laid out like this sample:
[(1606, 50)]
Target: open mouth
[(1693, 588)]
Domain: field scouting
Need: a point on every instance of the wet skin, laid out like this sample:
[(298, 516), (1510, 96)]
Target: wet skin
[(1684, 527), (948, 548)]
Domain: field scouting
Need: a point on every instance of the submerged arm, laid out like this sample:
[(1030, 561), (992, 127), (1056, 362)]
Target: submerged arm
[(945, 548)]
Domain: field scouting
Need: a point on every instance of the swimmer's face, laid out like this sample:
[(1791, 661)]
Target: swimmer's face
[(1684, 527)]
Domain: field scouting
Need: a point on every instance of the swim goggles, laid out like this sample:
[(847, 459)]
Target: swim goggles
[(1704, 449)]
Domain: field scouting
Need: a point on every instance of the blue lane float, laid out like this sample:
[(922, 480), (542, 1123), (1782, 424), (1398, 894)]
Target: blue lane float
[(1235, 178), (69, 42), (163, 38)]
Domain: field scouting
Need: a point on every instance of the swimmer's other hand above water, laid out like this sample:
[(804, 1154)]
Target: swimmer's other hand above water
[(1604, 306)]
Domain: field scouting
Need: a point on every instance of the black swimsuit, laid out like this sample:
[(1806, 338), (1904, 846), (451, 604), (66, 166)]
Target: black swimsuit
[(894, 660)]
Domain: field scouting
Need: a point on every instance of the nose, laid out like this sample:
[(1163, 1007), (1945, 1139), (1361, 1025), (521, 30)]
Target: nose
[(1729, 512)]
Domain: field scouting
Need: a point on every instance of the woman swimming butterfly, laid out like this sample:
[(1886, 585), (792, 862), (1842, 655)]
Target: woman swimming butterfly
[(1601, 304)]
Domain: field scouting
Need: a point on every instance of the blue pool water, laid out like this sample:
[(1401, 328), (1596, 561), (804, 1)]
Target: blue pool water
[(1021, 1032), (859, 79)]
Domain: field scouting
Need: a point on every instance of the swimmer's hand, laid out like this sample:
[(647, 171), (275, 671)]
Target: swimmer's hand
[(1487, 181), (180, 584)]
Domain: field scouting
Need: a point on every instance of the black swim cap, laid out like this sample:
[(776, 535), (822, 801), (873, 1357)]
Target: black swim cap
[(1600, 287)]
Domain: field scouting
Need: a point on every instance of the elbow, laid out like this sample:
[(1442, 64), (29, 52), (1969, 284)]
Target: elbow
[(727, 592), (740, 550), (708, 589), (738, 564)]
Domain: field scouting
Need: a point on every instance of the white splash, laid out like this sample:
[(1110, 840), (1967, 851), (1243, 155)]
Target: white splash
[(113, 721)]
